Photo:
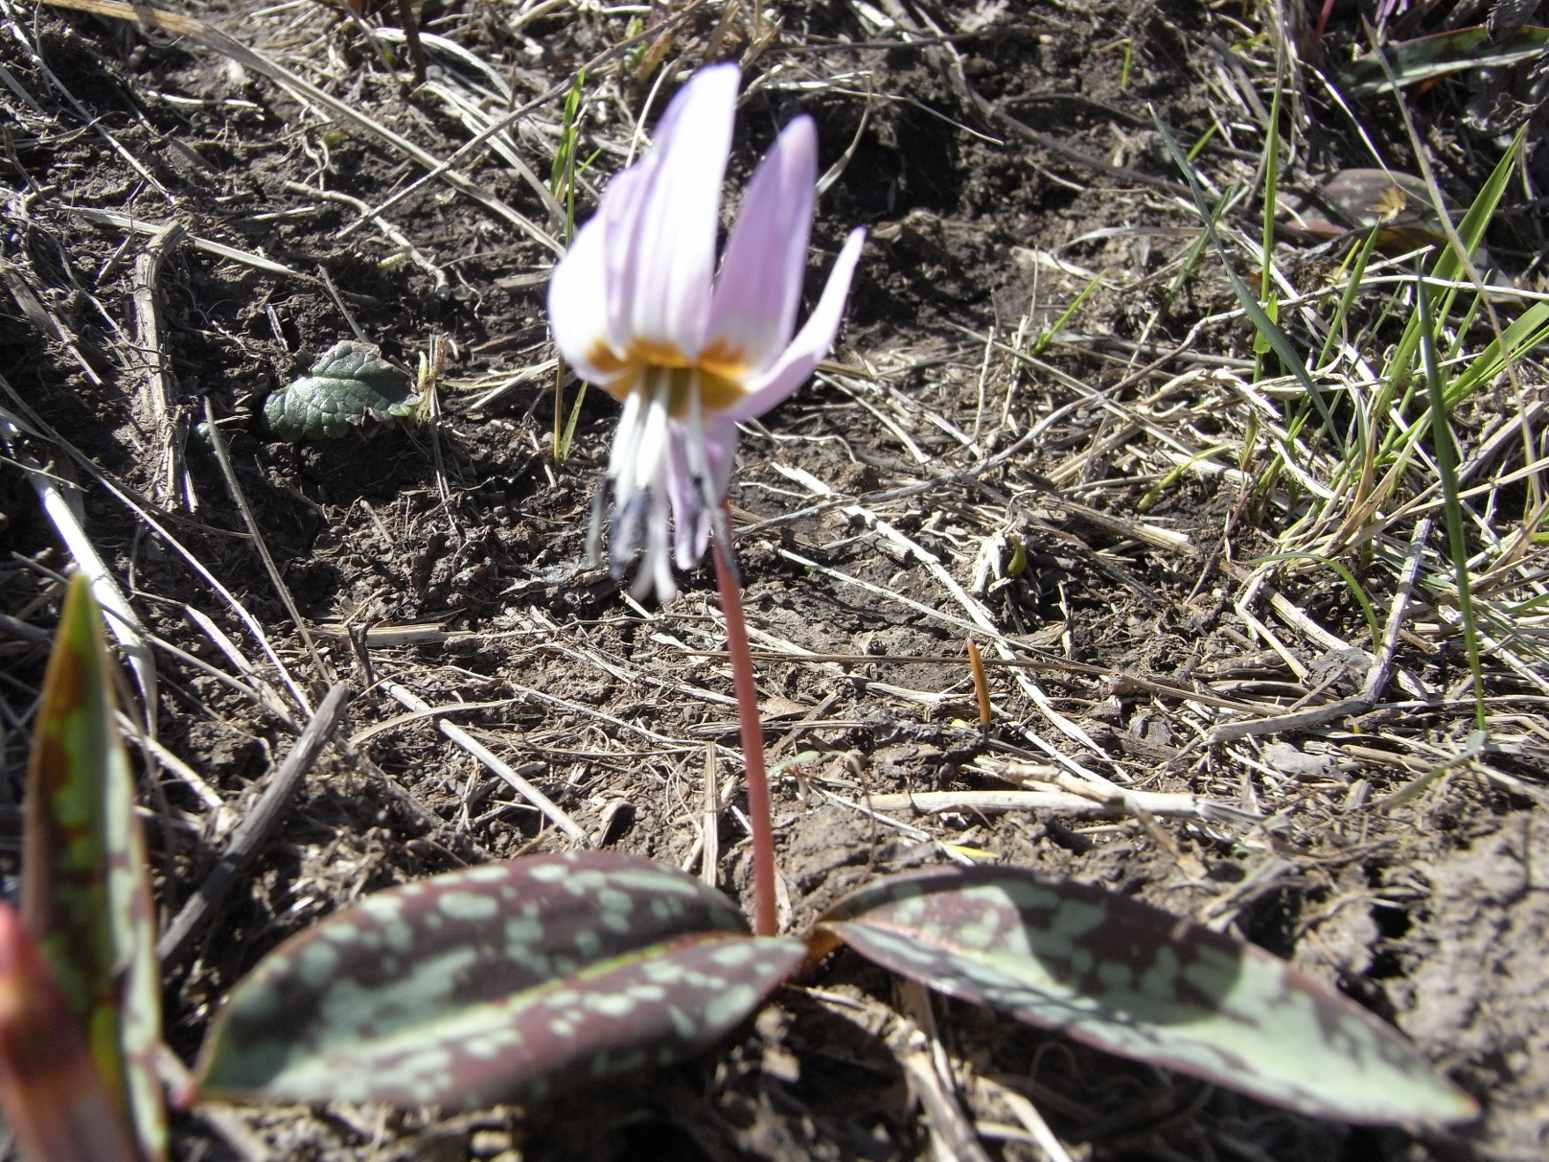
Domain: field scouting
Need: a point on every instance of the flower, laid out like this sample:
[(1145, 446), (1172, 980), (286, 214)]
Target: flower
[(638, 309)]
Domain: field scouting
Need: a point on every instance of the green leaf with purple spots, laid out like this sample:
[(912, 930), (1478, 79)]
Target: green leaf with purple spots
[(85, 893), (496, 983), (1410, 62), (1145, 984)]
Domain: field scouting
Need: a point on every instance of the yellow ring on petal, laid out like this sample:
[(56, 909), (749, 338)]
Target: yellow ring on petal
[(719, 373)]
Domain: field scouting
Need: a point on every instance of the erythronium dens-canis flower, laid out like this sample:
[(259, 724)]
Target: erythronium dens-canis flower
[(638, 309)]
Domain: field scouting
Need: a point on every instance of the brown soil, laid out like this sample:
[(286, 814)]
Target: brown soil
[(1432, 909)]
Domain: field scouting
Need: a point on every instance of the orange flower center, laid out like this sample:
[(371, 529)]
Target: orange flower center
[(717, 373)]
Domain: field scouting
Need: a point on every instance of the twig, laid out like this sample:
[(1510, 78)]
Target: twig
[(481, 752), (62, 513), (47, 323), (502, 124), (256, 828), (1032, 1121), (132, 225), (389, 231), (223, 458), (1123, 682), (35, 426), (930, 1076), (966, 476), (213, 38), (709, 845), (1300, 720), (184, 1092), (158, 398), (1382, 664), (1160, 803), (980, 617)]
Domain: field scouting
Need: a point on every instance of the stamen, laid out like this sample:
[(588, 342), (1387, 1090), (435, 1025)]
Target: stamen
[(594, 526), (653, 431), (699, 465), (698, 461), (626, 436), (658, 557), (621, 537), (696, 521)]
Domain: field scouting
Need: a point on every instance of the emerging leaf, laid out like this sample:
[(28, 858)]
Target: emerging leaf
[(495, 983), (85, 891), (349, 385), (50, 1091), (1429, 57), (1142, 983)]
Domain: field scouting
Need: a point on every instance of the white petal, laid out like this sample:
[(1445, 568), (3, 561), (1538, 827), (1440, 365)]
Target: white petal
[(578, 302), (619, 214), (656, 569), (811, 344), (674, 229), (761, 274), (625, 437)]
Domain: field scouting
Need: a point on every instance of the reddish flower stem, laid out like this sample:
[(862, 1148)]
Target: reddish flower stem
[(764, 918)]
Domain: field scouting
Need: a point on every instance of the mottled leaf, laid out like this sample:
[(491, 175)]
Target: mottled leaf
[(1429, 57), (1137, 981), (499, 982), (349, 386), (52, 1096), (1399, 204), (84, 888)]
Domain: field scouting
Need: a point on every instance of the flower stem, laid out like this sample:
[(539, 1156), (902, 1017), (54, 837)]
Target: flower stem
[(764, 921)]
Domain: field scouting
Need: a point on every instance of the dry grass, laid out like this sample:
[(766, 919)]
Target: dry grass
[(1224, 617)]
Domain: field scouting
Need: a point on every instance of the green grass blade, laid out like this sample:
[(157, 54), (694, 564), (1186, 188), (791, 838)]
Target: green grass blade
[(1526, 332), (1135, 980), (568, 436), (1449, 266), (1373, 627), (85, 889), (1054, 328), (1278, 340), (1271, 189), (563, 182), (1445, 451), (1352, 288)]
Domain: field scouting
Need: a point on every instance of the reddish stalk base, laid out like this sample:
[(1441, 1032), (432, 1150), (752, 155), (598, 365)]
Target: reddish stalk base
[(765, 922)]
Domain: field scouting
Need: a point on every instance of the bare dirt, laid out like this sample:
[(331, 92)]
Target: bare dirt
[(1431, 907)]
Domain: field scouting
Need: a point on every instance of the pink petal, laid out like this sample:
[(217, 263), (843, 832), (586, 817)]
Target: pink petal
[(761, 274), (675, 215), (578, 302), (811, 344), (619, 213)]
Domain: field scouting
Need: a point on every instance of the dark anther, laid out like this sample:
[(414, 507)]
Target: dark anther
[(626, 523), (594, 526)]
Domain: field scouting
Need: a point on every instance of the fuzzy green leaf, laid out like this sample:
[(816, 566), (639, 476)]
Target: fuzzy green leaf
[(349, 386), (494, 983), (1137, 981), (85, 891)]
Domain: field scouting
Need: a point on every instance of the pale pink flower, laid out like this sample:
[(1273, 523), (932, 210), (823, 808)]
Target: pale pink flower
[(638, 309)]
